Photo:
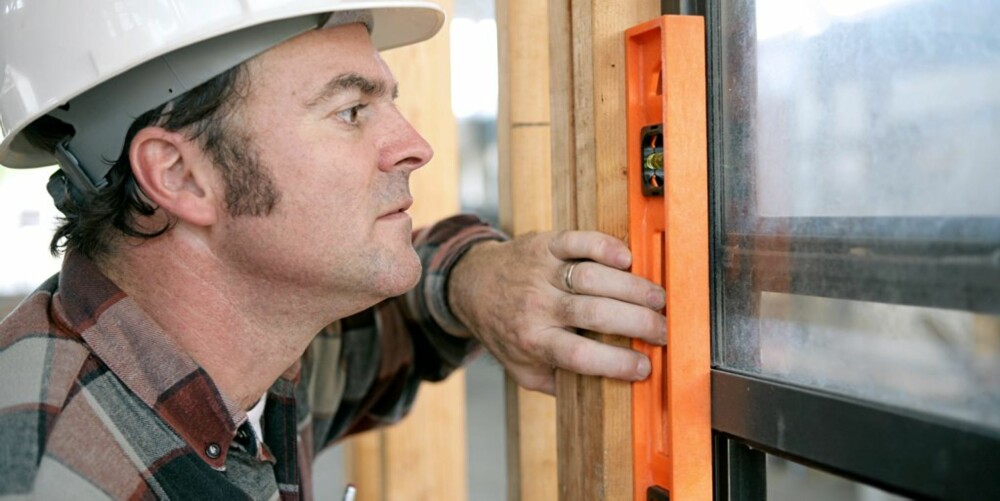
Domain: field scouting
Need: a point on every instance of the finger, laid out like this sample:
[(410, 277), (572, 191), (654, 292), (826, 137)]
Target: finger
[(594, 279), (541, 381), (592, 245), (613, 317), (586, 356)]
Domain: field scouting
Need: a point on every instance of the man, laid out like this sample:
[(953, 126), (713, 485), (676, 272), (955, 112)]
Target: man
[(259, 198)]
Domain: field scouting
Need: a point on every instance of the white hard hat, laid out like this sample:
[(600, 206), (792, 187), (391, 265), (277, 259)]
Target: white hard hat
[(74, 59)]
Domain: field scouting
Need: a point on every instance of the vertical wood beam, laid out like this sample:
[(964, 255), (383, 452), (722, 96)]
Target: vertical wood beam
[(363, 465), (424, 457), (523, 136), (589, 165)]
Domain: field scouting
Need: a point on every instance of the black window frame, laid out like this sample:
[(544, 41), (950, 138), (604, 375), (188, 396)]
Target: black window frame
[(899, 450)]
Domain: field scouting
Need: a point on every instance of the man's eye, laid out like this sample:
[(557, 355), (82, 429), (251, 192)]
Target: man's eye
[(350, 115)]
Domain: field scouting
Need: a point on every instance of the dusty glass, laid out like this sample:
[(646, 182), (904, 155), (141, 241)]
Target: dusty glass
[(859, 199)]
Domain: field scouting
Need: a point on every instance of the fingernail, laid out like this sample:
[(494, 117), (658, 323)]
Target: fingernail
[(643, 368), (623, 259), (661, 337), (656, 299)]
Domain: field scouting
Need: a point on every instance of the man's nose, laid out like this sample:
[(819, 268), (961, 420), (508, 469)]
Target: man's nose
[(405, 148)]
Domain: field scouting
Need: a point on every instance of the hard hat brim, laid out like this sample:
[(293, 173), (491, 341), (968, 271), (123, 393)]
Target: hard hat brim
[(395, 24)]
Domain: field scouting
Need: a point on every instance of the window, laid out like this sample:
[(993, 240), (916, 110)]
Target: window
[(856, 241)]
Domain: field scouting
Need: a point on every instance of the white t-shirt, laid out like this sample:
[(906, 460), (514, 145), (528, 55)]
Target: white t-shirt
[(254, 415)]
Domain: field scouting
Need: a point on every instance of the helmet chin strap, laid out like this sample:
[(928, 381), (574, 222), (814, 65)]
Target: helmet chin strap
[(74, 171), (71, 181)]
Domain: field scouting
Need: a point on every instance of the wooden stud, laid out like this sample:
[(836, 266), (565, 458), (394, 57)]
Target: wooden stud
[(589, 165), (523, 136), (424, 457), (364, 465)]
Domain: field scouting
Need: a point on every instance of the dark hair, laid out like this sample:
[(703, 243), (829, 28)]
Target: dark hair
[(205, 113)]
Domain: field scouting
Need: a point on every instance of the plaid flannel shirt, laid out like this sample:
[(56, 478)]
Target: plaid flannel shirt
[(96, 402)]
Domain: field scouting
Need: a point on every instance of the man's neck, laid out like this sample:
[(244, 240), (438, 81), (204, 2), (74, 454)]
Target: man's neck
[(244, 332)]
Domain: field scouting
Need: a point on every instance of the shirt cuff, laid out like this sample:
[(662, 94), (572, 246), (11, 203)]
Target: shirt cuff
[(456, 236)]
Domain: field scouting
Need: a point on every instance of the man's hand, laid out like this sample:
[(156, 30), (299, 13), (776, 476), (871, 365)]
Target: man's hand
[(525, 298)]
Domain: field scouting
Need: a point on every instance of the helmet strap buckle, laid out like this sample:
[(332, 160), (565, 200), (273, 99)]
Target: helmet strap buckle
[(79, 186)]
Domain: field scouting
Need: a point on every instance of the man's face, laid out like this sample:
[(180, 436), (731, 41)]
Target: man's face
[(321, 117)]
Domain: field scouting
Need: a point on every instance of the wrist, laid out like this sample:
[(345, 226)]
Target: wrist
[(463, 282)]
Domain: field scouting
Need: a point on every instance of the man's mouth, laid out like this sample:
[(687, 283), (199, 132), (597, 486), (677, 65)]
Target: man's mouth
[(401, 208)]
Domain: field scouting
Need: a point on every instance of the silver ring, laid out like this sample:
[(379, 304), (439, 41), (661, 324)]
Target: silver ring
[(568, 277)]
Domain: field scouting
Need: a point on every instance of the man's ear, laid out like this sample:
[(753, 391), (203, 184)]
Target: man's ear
[(175, 174)]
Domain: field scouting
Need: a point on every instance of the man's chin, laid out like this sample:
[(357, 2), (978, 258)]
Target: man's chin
[(402, 275), (413, 278)]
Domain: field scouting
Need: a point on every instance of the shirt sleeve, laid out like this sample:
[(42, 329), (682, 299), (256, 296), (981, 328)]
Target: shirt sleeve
[(386, 351)]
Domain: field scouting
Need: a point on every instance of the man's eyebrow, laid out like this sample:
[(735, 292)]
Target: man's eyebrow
[(352, 81)]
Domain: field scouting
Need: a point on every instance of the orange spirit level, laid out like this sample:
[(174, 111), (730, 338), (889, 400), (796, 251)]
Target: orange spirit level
[(668, 233)]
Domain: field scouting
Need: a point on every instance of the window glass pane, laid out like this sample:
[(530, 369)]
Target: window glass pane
[(788, 481), (857, 202), (877, 108), (934, 360)]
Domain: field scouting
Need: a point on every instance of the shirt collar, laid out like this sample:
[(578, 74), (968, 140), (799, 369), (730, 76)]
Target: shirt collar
[(147, 361)]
